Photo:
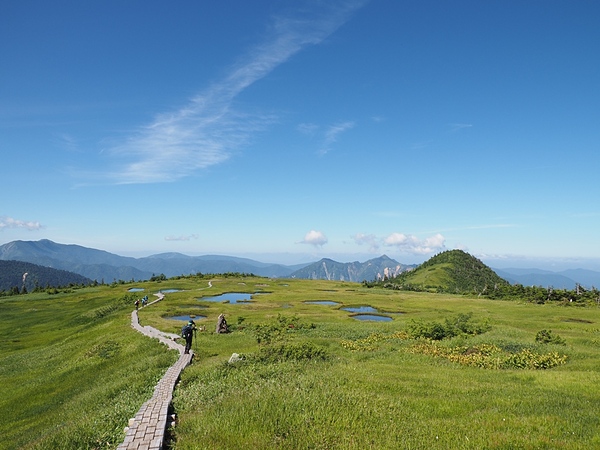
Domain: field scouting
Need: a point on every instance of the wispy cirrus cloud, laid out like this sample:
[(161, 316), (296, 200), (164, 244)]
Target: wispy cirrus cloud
[(308, 128), (332, 134), (9, 222), (454, 127), (327, 136), (208, 129)]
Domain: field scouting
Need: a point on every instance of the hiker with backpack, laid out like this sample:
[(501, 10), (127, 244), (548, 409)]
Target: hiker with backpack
[(187, 332), (222, 325)]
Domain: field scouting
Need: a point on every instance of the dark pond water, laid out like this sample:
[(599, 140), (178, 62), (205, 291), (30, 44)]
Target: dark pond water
[(360, 309), (231, 297), (135, 290), (373, 317), (322, 302), (186, 318), (169, 291)]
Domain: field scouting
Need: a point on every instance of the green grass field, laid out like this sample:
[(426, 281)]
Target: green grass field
[(73, 371)]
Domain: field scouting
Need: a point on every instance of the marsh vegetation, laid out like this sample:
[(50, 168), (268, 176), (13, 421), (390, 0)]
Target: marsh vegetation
[(451, 371)]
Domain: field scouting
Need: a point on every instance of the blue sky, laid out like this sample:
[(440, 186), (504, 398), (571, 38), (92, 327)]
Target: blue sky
[(291, 131)]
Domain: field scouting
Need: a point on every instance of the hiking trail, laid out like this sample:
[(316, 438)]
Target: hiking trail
[(146, 431)]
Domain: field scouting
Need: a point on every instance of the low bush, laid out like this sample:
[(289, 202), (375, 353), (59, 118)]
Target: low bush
[(457, 326), (547, 337), (276, 331)]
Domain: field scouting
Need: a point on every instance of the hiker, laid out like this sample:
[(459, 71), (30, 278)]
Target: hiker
[(187, 332), (137, 304), (222, 324)]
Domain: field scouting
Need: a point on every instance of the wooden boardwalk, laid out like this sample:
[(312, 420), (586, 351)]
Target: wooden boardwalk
[(147, 429)]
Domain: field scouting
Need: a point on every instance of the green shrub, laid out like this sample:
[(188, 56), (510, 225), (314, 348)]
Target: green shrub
[(272, 332), (460, 325), (547, 337)]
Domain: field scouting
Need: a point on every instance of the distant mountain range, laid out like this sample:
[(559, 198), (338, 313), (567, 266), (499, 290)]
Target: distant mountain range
[(107, 267), (566, 279)]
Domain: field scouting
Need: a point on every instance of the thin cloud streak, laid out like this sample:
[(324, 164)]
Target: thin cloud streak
[(454, 127), (209, 129), (331, 136), (181, 238)]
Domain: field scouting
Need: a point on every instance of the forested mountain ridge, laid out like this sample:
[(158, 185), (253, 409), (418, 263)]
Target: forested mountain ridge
[(16, 275), (453, 271), (91, 263)]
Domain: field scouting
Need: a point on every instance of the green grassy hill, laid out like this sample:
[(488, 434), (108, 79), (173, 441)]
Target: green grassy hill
[(452, 271)]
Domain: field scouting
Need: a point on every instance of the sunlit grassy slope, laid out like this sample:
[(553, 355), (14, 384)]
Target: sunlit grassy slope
[(72, 370)]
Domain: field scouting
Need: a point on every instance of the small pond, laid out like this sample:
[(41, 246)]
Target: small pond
[(360, 309), (373, 317), (229, 297), (186, 318), (135, 290), (169, 291), (322, 302)]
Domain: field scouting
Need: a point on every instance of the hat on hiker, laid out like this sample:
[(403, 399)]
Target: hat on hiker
[(191, 321)]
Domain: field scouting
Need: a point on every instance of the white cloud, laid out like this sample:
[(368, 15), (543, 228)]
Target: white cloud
[(459, 126), (308, 128), (9, 222), (367, 239), (332, 133), (207, 130), (408, 243), (181, 238), (316, 238)]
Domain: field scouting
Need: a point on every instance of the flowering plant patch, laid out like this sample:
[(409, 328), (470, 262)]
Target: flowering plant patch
[(489, 356), (372, 342)]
